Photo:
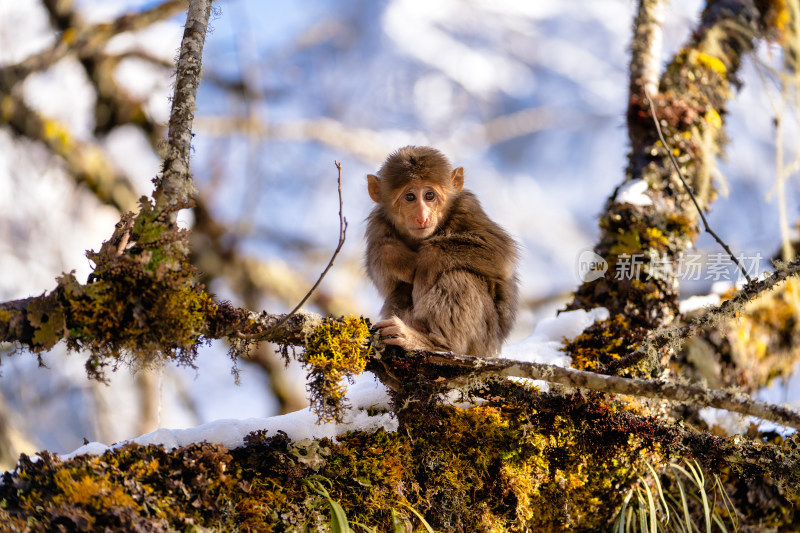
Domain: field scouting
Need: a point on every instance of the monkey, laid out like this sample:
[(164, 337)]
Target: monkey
[(446, 271)]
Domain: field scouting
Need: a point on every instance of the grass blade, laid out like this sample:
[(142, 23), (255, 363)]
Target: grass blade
[(425, 523)]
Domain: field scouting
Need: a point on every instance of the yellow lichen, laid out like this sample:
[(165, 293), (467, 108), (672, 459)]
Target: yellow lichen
[(335, 350), (603, 342), (709, 62), (92, 491), (780, 17), (57, 135), (6, 108), (70, 35), (713, 118), (765, 339)]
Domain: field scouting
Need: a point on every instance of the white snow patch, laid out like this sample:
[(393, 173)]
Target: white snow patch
[(633, 193), (737, 424), (693, 303), (366, 394), (544, 344), (90, 448)]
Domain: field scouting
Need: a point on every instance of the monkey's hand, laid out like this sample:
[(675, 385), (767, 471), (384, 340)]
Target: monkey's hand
[(395, 331)]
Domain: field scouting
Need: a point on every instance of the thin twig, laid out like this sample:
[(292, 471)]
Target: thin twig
[(689, 190), (342, 232)]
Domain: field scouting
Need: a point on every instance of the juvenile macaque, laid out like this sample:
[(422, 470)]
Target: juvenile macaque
[(445, 270)]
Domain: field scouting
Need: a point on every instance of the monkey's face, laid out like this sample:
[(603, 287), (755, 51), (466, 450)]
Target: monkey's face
[(415, 190), (419, 208)]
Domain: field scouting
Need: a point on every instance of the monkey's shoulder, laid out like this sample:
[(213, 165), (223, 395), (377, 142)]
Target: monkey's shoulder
[(379, 227), (469, 223)]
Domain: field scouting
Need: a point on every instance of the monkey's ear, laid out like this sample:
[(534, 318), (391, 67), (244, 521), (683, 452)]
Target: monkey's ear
[(457, 178), (374, 187)]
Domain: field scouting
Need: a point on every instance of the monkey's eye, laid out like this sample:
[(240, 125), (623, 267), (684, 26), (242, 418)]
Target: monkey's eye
[(410, 197), (430, 195)]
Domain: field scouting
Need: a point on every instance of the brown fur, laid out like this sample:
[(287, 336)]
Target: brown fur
[(454, 290)]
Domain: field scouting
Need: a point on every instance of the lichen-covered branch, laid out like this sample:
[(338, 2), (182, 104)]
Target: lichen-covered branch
[(690, 103), (523, 461), (41, 322), (85, 162), (85, 40), (114, 106), (675, 335), (175, 182), (463, 370)]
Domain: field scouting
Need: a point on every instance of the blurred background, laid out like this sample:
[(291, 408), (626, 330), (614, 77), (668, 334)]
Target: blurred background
[(530, 97)]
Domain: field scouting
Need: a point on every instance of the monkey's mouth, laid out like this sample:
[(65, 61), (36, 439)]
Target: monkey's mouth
[(422, 231)]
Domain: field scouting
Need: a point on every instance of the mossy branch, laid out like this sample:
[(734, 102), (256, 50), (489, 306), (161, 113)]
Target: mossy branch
[(674, 336), (22, 320), (688, 189), (472, 369)]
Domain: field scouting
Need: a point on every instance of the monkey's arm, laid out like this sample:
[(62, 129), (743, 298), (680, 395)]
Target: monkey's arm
[(389, 261), (457, 314), (398, 301), (487, 252)]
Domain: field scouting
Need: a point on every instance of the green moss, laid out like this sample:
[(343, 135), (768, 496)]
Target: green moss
[(141, 304), (764, 339), (603, 342), (47, 318), (523, 461)]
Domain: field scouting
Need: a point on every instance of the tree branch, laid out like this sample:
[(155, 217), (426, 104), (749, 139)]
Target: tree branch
[(689, 189), (646, 47), (86, 40), (714, 315), (175, 183), (84, 161), (476, 368)]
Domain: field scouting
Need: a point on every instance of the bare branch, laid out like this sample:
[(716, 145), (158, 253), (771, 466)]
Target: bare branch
[(87, 40), (342, 232), (370, 146)]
